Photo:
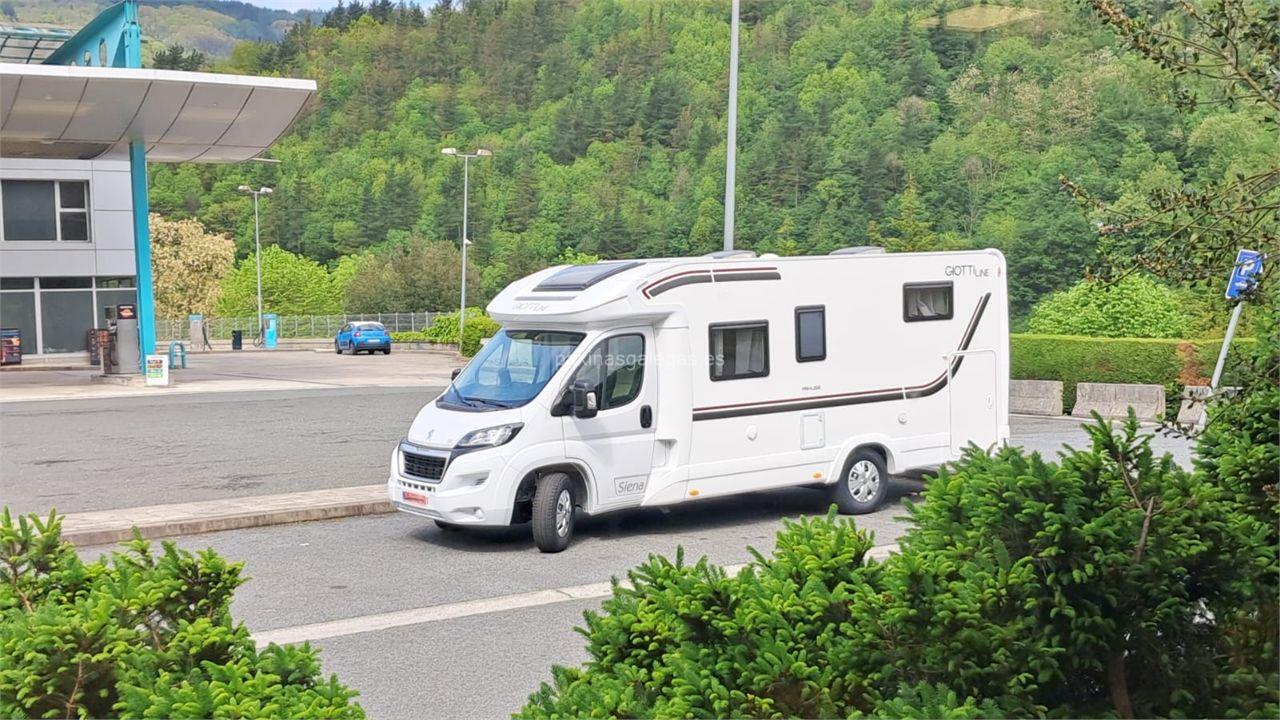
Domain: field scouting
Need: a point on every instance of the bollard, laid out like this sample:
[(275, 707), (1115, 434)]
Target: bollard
[(177, 354)]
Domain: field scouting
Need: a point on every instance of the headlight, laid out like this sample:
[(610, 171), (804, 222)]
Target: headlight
[(490, 437)]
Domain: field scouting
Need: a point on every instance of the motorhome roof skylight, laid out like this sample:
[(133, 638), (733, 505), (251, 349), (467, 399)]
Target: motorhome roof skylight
[(581, 277)]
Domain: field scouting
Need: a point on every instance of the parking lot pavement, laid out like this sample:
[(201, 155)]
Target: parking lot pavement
[(1048, 435), (260, 370), (362, 567), (87, 455), (476, 629)]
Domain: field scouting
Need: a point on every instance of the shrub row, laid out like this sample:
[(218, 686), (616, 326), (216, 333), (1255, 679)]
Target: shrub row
[(1073, 359), (1111, 582), (140, 634), (444, 329)]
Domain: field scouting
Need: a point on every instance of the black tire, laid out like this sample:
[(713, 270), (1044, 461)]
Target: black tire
[(863, 483), (387, 351), (447, 527), (337, 348), (552, 525)]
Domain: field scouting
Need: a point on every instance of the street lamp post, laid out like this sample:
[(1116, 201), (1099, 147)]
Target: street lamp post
[(466, 190), (731, 139), (257, 244)]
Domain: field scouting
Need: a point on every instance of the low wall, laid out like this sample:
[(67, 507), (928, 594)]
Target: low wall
[(1035, 397), (1113, 400)]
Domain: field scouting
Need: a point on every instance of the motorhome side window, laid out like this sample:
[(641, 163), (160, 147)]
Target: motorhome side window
[(926, 301), (739, 350), (615, 370), (811, 333)]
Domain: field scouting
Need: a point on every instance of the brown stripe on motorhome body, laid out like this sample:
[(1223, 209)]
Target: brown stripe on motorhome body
[(861, 397)]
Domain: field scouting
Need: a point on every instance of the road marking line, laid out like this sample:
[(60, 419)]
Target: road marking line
[(466, 608)]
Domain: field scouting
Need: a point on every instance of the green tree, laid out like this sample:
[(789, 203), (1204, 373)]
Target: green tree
[(176, 57), (291, 285), (1135, 306), (415, 275)]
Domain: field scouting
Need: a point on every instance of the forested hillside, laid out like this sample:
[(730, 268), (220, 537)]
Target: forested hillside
[(861, 122), (209, 26)]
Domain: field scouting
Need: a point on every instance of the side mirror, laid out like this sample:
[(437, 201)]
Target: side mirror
[(583, 400), (454, 375)]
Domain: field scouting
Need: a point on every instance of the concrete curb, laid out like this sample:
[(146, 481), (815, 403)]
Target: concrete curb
[(164, 521)]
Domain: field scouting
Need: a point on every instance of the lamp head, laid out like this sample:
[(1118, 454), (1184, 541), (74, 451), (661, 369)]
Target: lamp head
[(265, 191), (481, 152), (245, 189), (449, 151)]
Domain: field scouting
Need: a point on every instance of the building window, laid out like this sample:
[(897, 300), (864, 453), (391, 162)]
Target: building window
[(811, 333), (739, 350), (926, 301), (45, 210), (615, 370)]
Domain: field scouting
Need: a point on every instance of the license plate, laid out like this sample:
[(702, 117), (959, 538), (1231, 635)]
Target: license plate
[(415, 498)]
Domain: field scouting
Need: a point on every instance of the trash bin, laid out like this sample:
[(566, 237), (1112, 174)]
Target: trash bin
[(237, 339)]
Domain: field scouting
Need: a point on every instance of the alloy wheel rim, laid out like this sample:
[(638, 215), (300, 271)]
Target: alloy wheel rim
[(864, 480), (564, 511)]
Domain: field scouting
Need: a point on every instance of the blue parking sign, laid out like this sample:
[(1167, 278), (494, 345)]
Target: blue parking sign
[(1245, 273)]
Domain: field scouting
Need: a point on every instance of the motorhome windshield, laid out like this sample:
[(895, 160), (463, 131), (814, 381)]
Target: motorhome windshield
[(510, 370)]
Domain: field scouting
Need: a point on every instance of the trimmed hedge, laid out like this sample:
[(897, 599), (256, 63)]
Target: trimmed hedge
[(444, 329), (1073, 359)]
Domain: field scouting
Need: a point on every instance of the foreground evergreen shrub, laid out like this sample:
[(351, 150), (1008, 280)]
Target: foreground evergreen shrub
[(1112, 581), (139, 634)]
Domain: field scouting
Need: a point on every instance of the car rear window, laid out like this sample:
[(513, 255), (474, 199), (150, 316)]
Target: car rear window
[(369, 326)]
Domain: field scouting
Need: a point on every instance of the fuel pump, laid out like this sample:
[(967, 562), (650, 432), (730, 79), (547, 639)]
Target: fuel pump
[(121, 356)]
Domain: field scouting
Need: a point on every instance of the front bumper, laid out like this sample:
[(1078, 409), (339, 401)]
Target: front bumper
[(469, 493)]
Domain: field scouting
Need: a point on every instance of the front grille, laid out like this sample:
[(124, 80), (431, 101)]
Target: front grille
[(427, 467)]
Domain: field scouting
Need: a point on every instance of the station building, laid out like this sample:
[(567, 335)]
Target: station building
[(80, 119)]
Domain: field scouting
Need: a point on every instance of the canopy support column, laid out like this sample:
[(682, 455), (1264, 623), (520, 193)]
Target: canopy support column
[(142, 251)]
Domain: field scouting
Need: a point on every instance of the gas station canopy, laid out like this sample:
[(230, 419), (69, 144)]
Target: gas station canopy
[(93, 113)]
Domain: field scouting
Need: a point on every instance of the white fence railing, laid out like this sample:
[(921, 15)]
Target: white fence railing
[(292, 326)]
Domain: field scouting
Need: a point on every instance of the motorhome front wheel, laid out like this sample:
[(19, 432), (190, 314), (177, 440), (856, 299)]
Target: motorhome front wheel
[(553, 507)]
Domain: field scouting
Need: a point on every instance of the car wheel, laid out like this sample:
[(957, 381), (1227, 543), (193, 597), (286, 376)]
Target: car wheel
[(553, 513), (387, 351), (337, 348), (863, 484)]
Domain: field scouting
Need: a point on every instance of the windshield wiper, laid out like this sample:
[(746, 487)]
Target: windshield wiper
[(486, 401)]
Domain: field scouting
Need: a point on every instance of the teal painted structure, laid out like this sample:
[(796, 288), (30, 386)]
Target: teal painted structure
[(270, 330), (114, 39)]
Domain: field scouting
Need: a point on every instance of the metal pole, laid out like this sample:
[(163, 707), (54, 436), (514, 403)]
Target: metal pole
[(257, 242), (466, 189), (731, 141), (1226, 344)]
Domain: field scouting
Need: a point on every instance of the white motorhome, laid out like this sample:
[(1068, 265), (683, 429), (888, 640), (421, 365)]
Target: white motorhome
[(653, 382)]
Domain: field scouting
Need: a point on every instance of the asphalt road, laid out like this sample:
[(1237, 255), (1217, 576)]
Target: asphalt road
[(479, 665), (78, 455), (477, 660)]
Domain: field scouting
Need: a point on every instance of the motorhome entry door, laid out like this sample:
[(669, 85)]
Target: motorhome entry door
[(618, 441), (972, 391)]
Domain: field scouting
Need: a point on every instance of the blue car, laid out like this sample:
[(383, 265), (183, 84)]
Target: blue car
[(362, 336)]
